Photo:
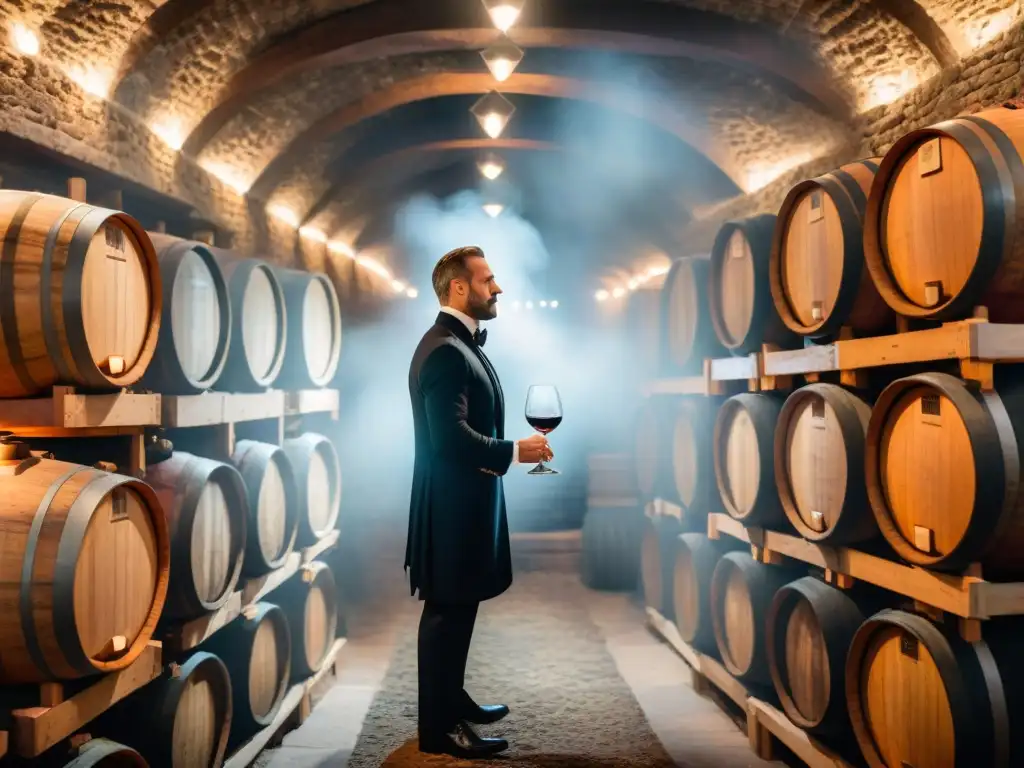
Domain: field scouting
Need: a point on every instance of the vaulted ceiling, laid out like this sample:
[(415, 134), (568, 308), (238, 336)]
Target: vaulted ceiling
[(338, 109)]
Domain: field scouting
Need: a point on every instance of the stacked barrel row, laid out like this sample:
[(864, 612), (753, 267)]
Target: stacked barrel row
[(923, 468), (96, 559), (928, 232), (94, 300)]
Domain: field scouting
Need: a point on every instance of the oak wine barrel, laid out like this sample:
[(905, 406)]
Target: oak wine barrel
[(180, 720), (273, 505), (611, 539), (313, 313), (739, 289), (810, 628), (103, 753), (944, 227), (819, 464), (318, 480), (943, 463), (207, 514), (195, 336), (742, 590), (611, 480), (657, 562), (643, 330), (687, 334), (652, 433), (309, 600), (84, 573), (80, 295), (744, 458), (257, 649), (692, 463), (259, 321), (696, 558), (919, 695), (818, 280)]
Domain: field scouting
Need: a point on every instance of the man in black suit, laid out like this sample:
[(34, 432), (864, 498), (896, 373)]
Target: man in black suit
[(458, 548)]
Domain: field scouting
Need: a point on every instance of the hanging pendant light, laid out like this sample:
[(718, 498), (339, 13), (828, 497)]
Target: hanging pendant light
[(504, 13), (502, 58), (493, 112), (491, 166)]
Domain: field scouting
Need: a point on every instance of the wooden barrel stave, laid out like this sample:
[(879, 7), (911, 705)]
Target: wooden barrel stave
[(273, 505), (657, 562), (103, 753), (259, 322), (810, 628), (696, 558), (817, 275), (309, 599), (90, 546), (962, 181), (318, 480), (918, 694), (687, 334), (256, 649), (180, 720), (819, 464), (313, 311), (206, 499), (692, 464), (192, 348), (742, 591), (84, 260), (744, 458), (739, 289), (953, 453)]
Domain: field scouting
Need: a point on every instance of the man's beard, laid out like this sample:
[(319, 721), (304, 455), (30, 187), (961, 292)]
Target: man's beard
[(484, 310)]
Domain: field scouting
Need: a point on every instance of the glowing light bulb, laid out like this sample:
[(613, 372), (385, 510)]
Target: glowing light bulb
[(494, 124), (491, 169), (618, 293), (314, 234), (24, 39), (632, 284), (553, 305), (412, 293), (601, 295), (170, 131), (285, 214), (543, 303), (93, 80), (398, 285), (504, 16), (516, 305), (493, 209), (529, 305)]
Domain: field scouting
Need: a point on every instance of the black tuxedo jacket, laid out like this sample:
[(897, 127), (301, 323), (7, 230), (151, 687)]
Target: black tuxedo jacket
[(458, 548)]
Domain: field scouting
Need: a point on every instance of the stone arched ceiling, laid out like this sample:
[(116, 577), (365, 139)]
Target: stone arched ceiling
[(268, 94)]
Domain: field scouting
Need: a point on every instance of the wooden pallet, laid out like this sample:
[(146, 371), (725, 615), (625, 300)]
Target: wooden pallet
[(295, 708), (764, 724), (38, 728), (304, 401), (966, 596), (975, 343), (184, 637), (723, 376)]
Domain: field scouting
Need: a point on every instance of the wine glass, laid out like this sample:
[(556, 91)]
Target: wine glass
[(543, 413)]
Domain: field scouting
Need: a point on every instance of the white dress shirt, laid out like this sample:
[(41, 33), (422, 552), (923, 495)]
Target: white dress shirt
[(472, 325)]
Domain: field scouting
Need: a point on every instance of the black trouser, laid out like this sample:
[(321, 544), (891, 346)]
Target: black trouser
[(445, 633)]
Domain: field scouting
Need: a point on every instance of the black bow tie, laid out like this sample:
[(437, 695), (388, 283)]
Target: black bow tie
[(480, 336)]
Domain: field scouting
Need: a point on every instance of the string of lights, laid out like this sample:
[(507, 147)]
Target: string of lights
[(631, 285), (97, 83)]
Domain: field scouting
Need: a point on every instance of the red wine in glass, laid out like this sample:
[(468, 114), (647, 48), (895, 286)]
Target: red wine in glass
[(543, 413)]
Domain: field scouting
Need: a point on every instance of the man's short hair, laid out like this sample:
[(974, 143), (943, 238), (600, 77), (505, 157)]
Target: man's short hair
[(452, 266)]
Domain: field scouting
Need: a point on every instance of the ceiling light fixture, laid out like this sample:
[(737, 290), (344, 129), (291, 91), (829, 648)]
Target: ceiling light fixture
[(493, 209), (601, 295), (412, 293), (493, 111), (502, 58), (504, 13), (491, 166), (25, 40)]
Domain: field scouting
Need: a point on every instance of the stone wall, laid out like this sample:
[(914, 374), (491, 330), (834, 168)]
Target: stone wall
[(985, 79)]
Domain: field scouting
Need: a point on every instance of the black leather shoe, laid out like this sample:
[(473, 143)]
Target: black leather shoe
[(462, 742), (485, 714)]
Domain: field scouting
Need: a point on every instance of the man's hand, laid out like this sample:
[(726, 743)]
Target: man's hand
[(534, 449)]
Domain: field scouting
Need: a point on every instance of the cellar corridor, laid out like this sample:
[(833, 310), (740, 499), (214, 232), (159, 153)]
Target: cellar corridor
[(589, 686)]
